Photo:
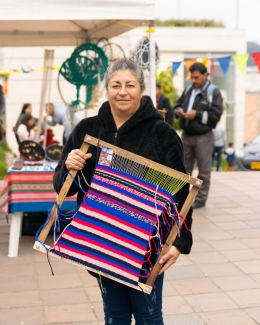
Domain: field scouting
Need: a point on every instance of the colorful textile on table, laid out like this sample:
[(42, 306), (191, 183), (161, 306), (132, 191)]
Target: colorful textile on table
[(30, 191), (112, 230)]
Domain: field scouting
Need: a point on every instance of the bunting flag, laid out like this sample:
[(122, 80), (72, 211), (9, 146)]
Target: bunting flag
[(25, 71), (212, 68), (224, 64), (241, 61), (256, 58), (175, 67), (188, 64), (204, 61)]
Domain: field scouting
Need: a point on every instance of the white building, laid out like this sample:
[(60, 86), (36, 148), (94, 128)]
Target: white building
[(175, 44)]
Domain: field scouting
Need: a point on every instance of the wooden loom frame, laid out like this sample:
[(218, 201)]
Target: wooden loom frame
[(89, 140)]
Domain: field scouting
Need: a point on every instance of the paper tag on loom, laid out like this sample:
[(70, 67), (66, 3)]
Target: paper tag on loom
[(105, 157)]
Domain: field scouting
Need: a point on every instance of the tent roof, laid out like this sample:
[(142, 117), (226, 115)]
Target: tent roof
[(68, 22)]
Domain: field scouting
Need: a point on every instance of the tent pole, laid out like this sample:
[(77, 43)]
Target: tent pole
[(152, 62)]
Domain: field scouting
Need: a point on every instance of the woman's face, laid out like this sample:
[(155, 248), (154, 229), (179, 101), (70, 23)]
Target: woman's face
[(30, 122), (28, 110), (124, 92)]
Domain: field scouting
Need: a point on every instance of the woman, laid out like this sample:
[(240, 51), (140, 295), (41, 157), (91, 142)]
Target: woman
[(25, 130), (130, 121), (26, 109)]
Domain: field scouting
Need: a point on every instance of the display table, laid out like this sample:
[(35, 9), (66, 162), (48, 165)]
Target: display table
[(28, 190)]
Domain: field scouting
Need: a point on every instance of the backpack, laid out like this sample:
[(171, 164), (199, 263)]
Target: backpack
[(210, 90)]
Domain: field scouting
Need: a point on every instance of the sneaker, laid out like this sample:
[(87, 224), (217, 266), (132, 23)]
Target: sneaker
[(198, 204)]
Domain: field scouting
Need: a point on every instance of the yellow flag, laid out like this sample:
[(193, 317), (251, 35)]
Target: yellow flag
[(204, 61), (241, 61)]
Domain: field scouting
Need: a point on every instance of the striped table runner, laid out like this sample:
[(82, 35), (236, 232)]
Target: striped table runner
[(30, 191)]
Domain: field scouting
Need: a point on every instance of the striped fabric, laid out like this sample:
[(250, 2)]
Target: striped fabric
[(30, 191), (112, 228)]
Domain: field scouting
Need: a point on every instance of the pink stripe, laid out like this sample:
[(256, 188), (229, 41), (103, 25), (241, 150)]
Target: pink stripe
[(87, 242), (98, 262), (119, 222), (112, 238)]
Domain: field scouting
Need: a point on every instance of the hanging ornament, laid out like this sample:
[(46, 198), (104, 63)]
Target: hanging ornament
[(142, 54)]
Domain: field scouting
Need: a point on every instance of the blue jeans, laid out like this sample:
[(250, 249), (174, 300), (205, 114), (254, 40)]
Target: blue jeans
[(121, 301), (218, 151)]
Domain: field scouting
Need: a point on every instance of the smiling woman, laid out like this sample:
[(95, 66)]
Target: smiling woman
[(129, 121)]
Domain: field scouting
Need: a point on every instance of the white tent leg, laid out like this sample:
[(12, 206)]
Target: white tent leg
[(15, 233)]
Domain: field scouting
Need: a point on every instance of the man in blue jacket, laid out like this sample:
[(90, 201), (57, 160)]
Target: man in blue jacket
[(199, 109)]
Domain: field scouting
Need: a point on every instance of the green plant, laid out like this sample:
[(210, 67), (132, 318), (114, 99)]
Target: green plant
[(188, 23), (3, 149), (165, 79)]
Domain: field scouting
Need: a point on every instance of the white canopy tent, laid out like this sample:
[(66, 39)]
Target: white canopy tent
[(68, 22)]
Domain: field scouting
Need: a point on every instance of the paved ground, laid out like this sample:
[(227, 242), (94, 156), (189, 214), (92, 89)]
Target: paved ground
[(217, 284)]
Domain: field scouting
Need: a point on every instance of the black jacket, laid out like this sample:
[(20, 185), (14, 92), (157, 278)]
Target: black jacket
[(163, 103), (203, 122), (145, 134)]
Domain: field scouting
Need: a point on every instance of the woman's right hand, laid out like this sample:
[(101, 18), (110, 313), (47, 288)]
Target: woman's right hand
[(76, 159)]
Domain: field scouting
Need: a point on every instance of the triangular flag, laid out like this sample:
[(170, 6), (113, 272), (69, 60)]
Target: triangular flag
[(212, 68), (204, 61), (224, 64), (25, 71), (241, 61), (256, 57), (175, 67), (188, 64)]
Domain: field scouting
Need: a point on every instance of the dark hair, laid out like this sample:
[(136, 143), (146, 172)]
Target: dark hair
[(24, 107), (158, 85), (125, 64), (230, 144), (25, 119), (197, 66)]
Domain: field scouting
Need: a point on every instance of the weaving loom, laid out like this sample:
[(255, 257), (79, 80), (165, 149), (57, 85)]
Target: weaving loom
[(127, 214)]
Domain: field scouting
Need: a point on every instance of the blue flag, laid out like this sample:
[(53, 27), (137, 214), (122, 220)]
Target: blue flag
[(175, 67), (224, 64)]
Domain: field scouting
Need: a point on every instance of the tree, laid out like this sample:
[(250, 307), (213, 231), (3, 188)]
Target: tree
[(164, 78)]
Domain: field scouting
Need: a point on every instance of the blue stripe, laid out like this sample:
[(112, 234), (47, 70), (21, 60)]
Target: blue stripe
[(38, 206), (114, 230), (104, 258), (105, 242), (119, 214)]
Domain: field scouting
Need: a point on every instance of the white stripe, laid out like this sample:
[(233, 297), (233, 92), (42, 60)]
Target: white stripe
[(103, 250)]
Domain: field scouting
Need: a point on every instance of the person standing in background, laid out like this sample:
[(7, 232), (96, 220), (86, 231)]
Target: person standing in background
[(230, 153), (59, 115), (162, 102), (220, 144), (199, 109)]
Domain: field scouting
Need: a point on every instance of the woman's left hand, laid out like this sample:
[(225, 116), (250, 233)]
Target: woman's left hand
[(169, 258)]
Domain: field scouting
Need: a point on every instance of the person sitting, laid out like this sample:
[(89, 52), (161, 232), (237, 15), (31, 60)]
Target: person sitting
[(25, 129), (26, 109)]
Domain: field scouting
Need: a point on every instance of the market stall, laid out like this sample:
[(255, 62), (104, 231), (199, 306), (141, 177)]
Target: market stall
[(63, 23)]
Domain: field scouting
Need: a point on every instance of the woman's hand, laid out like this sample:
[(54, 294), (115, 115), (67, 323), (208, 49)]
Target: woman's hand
[(76, 159), (169, 258)]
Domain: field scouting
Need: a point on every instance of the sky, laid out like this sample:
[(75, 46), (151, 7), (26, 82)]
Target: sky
[(247, 17)]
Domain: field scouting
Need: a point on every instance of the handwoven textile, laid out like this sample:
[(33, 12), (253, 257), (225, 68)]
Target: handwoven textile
[(112, 228), (30, 191)]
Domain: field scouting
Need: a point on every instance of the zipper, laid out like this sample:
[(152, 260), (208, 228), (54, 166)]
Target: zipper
[(115, 135)]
